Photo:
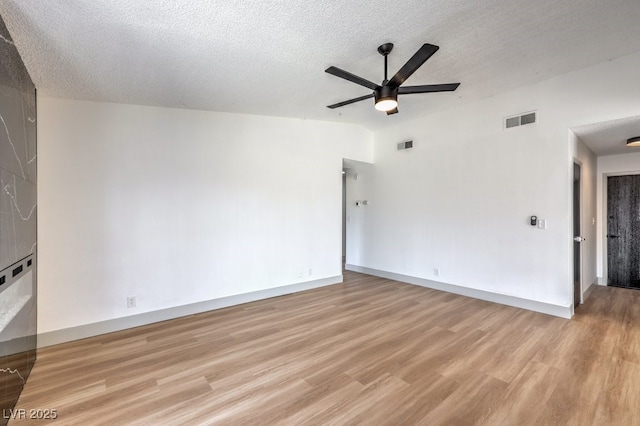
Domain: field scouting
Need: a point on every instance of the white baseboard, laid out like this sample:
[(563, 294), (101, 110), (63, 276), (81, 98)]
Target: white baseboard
[(503, 299), (589, 290), (89, 330)]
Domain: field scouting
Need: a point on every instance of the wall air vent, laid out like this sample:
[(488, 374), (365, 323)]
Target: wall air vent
[(520, 120), (528, 118), (512, 122), (405, 145)]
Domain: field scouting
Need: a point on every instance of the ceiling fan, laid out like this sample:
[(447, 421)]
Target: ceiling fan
[(386, 95)]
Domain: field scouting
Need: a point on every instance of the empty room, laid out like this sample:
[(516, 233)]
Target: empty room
[(319, 212)]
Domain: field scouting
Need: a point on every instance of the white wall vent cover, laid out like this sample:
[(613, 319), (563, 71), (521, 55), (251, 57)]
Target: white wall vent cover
[(520, 120)]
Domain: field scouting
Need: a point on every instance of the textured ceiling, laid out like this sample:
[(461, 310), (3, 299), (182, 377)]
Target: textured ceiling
[(268, 57), (610, 137)]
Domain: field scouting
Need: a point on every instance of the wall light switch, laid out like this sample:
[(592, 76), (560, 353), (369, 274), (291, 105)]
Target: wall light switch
[(542, 223)]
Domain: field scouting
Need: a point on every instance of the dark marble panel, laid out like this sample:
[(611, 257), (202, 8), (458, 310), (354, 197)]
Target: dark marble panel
[(18, 156), (14, 142), (18, 204), (18, 331), (11, 381), (17, 218), (14, 73)]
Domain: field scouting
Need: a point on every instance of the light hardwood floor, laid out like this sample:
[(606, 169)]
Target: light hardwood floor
[(369, 351)]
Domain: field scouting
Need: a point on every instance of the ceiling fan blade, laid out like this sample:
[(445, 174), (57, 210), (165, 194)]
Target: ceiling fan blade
[(350, 101), (351, 77), (393, 111), (429, 88), (419, 58)]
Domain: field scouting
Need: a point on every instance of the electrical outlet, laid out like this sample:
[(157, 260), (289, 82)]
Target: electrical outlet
[(436, 272), (131, 302), (310, 271)]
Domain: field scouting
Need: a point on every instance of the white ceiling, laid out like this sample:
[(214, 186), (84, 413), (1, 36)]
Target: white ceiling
[(610, 137), (269, 56)]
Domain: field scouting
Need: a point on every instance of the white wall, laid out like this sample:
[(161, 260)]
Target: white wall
[(460, 201), (610, 165), (583, 155), (177, 206)]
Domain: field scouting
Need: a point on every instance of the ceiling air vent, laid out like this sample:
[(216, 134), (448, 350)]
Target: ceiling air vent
[(405, 145), (520, 120)]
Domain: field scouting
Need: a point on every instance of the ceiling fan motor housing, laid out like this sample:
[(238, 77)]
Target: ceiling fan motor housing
[(385, 93)]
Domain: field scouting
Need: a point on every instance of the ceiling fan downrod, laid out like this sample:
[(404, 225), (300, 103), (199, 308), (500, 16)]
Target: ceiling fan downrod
[(384, 50)]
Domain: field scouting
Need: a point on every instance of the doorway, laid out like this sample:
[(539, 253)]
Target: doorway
[(623, 231), (357, 182), (344, 217), (577, 239)]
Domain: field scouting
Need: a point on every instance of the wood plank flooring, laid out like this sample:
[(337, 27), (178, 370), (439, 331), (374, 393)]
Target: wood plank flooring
[(369, 351)]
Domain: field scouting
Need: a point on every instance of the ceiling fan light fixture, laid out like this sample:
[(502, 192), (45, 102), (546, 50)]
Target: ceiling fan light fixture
[(635, 141), (386, 104), (386, 98)]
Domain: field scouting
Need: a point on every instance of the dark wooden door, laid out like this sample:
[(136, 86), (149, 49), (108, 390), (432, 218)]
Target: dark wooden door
[(623, 231)]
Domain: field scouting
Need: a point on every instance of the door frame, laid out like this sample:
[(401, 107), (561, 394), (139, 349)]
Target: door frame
[(577, 162), (343, 257), (605, 221)]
